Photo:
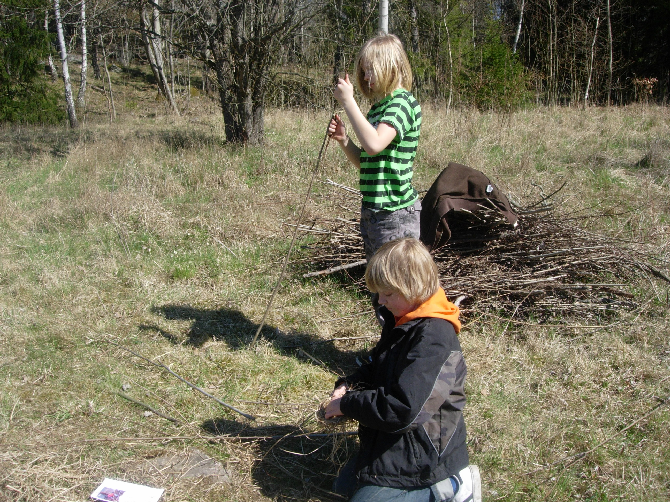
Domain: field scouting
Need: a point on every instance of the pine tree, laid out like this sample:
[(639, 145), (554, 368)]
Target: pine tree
[(24, 46)]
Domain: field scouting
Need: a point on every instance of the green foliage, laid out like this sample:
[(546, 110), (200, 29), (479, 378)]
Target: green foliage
[(424, 72), (494, 78), (25, 95)]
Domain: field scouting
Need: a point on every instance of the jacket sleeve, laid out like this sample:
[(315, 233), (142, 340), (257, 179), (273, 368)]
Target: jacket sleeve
[(398, 404), (359, 379)]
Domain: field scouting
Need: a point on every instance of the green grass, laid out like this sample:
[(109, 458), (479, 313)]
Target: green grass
[(154, 234)]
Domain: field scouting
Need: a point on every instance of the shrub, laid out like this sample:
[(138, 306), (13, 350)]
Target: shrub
[(495, 78)]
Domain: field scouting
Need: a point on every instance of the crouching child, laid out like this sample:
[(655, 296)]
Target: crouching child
[(408, 398)]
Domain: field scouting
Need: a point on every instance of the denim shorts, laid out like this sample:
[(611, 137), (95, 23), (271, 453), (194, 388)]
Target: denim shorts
[(379, 226)]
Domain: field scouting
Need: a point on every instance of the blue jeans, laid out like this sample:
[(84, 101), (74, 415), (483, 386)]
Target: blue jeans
[(346, 484), (372, 493)]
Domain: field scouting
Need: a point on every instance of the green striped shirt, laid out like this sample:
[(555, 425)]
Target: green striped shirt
[(386, 178)]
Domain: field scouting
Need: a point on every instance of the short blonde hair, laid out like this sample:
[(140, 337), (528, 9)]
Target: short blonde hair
[(386, 57), (403, 266)]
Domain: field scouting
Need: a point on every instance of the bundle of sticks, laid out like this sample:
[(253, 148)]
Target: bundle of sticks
[(544, 267)]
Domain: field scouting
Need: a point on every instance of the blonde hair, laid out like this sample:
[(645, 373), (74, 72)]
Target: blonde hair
[(386, 57), (403, 266)]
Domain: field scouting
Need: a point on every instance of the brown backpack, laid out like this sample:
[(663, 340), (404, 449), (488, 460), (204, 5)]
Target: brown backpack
[(456, 196)]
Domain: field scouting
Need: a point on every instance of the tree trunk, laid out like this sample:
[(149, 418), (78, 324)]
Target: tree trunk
[(593, 50), (223, 79), (94, 54), (451, 61), (50, 61), (151, 36), (81, 95), (338, 63), (170, 48), (66, 74), (609, 41), (110, 97), (552, 78), (414, 21), (384, 16), (518, 28)]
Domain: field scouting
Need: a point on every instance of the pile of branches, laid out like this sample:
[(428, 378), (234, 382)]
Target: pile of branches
[(545, 267)]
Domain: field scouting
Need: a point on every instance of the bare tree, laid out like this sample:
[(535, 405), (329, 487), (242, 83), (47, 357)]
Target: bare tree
[(414, 25), (611, 56), (518, 28), (50, 60), (593, 50), (81, 95), (108, 93), (94, 54), (151, 29), (244, 39), (451, 61), (66, 74), (340, 20)]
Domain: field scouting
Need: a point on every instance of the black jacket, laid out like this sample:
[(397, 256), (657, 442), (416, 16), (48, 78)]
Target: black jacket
[(408, 401)]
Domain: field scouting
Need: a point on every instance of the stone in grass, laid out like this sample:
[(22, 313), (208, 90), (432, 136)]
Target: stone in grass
[(191, 463)]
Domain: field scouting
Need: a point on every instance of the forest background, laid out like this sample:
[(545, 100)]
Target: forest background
[(501, 54), (144, 220)]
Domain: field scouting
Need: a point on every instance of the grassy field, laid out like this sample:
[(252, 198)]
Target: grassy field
[(150, 239)]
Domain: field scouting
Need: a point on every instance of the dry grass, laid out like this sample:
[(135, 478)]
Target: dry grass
[(154, 234)]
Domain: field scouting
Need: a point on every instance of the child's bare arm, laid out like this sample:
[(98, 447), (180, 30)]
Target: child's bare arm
[(372, 140)]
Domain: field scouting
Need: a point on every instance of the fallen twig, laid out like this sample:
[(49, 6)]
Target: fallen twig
[(152, 410), (161, 365), (226, 437), (225, 247), (336, 269)]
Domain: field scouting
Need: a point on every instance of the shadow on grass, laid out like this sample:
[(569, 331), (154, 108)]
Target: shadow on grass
[(237, 331), (289, 464)]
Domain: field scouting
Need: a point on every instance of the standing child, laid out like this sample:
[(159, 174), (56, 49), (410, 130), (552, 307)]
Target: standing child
[(408, 399), (388, 136)]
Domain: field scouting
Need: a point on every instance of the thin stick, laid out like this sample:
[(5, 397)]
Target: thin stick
[(152, 410), (161, 365), (183, 438), (324, 146), (355, 337), (302, 352), (226, 247), (335, 269)]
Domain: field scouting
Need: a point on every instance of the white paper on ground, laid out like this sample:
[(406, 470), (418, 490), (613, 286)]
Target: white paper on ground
[(112, 490)]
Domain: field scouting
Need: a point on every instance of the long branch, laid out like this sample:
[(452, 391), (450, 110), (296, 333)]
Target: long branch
[(195, 387)]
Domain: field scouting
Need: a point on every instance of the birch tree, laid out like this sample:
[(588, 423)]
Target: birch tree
[(69, 101), (384, 16), (50, 59), (81, 95), (593, 51), (518, 27), (150, 25)]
